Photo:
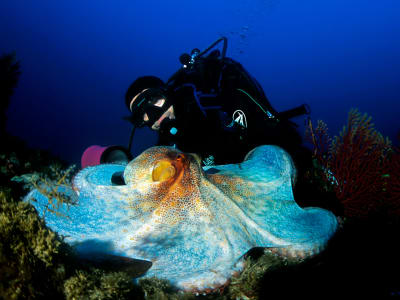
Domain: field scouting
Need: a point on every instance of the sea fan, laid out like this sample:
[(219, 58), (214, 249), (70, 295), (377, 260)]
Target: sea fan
[(355, 162)]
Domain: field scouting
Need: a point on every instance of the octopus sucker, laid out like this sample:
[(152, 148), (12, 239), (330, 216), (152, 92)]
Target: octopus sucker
[(176, 214)]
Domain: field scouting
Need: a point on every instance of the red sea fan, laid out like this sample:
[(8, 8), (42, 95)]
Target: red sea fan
[(354, 162), (358, 162)]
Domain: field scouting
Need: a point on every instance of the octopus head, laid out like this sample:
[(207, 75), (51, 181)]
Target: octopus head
[(162, 165), (165, 177)]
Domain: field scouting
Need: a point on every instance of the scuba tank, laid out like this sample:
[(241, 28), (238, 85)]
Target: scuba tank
[(190, 64)]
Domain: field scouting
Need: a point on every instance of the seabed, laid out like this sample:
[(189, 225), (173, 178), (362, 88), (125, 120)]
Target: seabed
[(360, 259)]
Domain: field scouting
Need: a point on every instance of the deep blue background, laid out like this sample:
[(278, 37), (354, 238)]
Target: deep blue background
[(79, 57)]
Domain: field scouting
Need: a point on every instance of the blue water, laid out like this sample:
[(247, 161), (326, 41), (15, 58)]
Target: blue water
[(79, 57)]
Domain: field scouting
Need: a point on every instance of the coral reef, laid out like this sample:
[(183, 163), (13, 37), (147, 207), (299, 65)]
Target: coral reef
[(358, 165)]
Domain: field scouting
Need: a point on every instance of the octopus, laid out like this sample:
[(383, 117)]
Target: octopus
[(193, 224)]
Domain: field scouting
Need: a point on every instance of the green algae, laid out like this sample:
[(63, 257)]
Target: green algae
[(51, 185), (97, 284), (28, 249), (36, 263)]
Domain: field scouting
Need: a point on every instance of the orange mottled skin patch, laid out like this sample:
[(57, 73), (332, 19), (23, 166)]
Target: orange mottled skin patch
[(172, 197), (234, 187)]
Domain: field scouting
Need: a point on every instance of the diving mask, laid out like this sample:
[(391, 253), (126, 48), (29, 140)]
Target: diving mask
[(148, 102)]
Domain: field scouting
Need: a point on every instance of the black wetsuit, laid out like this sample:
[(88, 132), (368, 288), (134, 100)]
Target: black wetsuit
[(222, 113)]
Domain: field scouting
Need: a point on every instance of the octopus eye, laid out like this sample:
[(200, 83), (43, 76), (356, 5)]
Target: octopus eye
[(163, 170)]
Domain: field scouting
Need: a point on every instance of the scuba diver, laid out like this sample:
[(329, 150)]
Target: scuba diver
[(212, 107)]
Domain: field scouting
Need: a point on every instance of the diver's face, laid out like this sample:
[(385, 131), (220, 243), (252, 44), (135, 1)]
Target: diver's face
[(169, 113)]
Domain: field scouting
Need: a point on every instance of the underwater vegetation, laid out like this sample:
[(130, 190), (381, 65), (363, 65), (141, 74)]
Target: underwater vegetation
[(359, 165), (50, 185), (27, 249), (35, 262)]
